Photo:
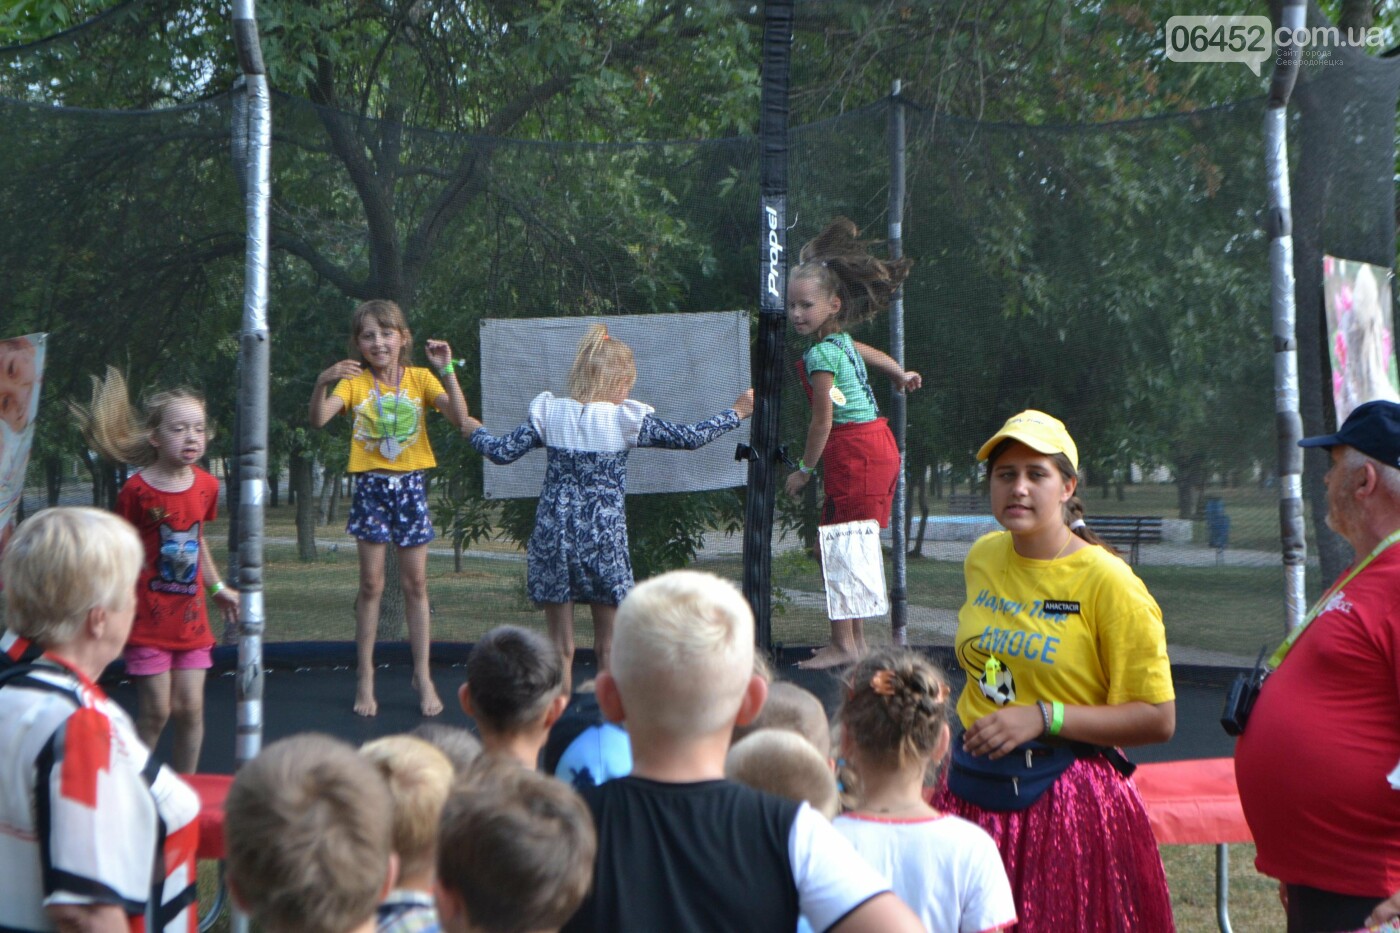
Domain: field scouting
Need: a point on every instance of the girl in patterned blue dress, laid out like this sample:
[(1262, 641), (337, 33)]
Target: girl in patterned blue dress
[(578, 550)]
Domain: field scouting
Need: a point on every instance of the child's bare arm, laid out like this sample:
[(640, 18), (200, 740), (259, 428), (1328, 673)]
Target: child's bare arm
[(453, 404), (227, 596), (883, 913), (904, 380), (325, 407), (817, 431)]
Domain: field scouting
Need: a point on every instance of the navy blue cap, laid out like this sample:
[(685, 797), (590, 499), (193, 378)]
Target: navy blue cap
[(1372, 428)]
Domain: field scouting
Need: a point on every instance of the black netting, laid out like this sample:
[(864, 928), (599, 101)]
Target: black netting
[(1114, 275)]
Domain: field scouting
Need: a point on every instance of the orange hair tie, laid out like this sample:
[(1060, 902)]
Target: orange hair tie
[(883, 683)]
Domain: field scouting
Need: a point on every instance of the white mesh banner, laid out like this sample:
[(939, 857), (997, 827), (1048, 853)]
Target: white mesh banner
[(689, 367)]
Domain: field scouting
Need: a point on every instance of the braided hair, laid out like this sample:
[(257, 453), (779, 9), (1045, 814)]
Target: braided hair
[(896, 706), (843, 264)]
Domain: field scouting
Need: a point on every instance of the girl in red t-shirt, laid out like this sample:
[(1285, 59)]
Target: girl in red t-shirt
[(170, 501)]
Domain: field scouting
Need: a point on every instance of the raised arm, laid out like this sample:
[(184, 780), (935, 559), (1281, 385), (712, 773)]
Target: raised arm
[(658, 432), (884, 364), (507, 448), (452, 403), (325, 407)]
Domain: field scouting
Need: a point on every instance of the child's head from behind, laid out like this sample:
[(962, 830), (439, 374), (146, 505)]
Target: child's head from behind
[(516, 851), (380, 316), (603, 370), (513, 676), (419, 778), (795, 709), (309, 836), (458, 744), (896, 708), (780, 762), (171, 427), (682, 656), (61, 564)]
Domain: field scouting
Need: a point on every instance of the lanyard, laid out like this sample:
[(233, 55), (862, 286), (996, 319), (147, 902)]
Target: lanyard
[(1281, 652)]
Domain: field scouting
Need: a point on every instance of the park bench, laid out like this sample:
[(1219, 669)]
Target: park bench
[(1127, 530), (968, 503)]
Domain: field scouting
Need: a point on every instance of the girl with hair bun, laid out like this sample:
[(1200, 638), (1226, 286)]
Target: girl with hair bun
[(578, 551), (836, 285), (894, 735), (1066, 659)]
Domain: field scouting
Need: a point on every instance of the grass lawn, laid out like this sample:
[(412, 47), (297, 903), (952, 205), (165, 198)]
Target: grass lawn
[(1254, 906)]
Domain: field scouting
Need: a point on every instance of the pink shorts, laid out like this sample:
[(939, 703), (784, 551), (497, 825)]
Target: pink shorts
[(143, 661)]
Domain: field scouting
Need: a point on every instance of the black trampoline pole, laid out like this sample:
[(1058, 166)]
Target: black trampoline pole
[(772, 318)]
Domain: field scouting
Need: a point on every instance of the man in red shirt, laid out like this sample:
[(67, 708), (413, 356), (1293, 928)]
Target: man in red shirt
[(1318, 765)]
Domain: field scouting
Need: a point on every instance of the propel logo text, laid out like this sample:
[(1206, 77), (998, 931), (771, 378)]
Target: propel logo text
[(775, 253)]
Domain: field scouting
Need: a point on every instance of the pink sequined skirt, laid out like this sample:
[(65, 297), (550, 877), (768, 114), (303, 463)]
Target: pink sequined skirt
[(1082, 858)]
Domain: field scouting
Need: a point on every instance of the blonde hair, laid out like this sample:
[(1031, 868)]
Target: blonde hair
[(682, 655), (779, 762), (793, 709), (386, 314), (419, 777), (459, 745), (843, 265), (116, 430), (61, 564), (603, 367), (517, 847), (309, 836)]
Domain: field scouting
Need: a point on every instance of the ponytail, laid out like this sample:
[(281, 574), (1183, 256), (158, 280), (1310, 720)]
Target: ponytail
[(845, 266), (602, 367), (112, 425)]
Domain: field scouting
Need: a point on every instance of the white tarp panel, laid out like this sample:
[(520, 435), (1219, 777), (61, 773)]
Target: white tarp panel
[(689, 367), (854, 569)]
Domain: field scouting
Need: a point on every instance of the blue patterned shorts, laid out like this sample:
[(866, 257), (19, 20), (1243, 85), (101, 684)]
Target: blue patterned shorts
[(390, 508)]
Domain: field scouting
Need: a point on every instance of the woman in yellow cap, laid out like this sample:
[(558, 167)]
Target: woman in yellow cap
[(1066, 660)]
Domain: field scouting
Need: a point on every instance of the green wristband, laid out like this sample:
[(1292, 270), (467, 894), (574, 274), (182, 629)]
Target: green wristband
[(1057, 717), (216, 589), (449, 369), (802, 467)]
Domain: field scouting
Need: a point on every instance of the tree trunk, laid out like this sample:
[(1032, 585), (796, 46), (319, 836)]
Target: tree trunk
[(1190, 470), (299, 469), (53, 477), (274, 483)]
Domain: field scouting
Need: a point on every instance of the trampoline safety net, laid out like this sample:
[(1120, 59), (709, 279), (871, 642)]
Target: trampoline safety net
[(1115, 275)]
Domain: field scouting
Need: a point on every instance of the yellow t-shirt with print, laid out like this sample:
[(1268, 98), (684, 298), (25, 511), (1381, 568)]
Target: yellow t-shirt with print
[(388, 431), (1082, 629)]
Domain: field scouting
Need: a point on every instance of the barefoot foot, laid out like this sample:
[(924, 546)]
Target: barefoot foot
[(365, 704), (429, 703), (828, 657)]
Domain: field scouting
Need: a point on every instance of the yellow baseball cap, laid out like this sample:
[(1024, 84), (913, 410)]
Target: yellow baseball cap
[(1040, 432)]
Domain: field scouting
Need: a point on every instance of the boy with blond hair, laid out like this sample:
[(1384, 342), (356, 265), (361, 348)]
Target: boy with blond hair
[(419, 778), (309, 837), (516, 851), (780, 762), (679, 847)]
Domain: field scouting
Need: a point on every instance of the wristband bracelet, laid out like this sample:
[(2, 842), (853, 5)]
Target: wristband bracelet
[(215, 589), (449, 369), (1057, 717), (1044, 716), (802, 467)]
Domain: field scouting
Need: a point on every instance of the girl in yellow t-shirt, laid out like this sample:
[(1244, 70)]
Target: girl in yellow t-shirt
[(389, 452), (1066, 659)]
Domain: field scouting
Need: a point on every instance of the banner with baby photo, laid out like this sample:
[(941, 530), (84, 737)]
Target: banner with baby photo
[(1360, 333), (21, 371)]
